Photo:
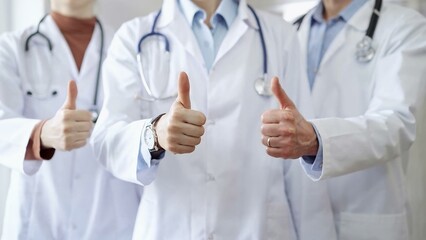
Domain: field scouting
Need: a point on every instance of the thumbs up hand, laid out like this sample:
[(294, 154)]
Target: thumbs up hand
[(180, 130), (285, 132), (69, 128)]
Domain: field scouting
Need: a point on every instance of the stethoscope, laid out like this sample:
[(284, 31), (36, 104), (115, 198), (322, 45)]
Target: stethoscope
[(365, 51), (94, 110), (261, 85)]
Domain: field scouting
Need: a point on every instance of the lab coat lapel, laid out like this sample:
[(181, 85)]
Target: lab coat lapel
[(179, 28), (358, 22), (304, 37), (237, 30), (337, 43)]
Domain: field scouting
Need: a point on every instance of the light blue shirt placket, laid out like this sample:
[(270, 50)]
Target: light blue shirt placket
[(322, 34), (210, 40)]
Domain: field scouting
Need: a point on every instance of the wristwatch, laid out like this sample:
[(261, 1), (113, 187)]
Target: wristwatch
[(151, 139)]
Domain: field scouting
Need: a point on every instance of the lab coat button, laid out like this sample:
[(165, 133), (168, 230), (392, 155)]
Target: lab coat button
[(320, 165), (211, 237)]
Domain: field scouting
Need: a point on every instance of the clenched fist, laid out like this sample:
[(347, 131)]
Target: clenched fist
[(180, 130), (69, 128), (285, 132)]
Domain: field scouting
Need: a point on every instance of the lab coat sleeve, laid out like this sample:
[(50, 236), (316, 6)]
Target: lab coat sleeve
[(117, 134), (387, 129), (15, 131)]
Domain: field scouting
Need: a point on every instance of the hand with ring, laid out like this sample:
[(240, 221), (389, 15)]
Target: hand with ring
[(285, 132)]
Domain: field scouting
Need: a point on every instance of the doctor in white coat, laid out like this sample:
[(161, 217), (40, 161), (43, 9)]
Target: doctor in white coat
[(206, 173), (365, 113), (42, 113)]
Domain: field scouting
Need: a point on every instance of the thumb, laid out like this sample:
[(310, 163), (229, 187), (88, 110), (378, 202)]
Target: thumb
[(70, 102), (280, 94), (183, 92)]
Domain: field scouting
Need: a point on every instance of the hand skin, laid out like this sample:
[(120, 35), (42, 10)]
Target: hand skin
[(180, 130), (291, 135), (69, 128)]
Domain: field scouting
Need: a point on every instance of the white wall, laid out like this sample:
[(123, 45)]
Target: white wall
[(115, 12)]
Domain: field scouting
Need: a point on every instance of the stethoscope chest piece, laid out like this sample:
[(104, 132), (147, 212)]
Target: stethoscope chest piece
[(262, 87), (95, 113), (365, 51)]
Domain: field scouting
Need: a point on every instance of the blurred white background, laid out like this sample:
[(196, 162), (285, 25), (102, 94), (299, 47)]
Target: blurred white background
[(17, 14)]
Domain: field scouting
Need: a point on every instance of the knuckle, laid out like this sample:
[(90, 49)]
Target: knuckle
[(171, 141), (173, 148), (288, 115), (263, 117), (190, 149), (67, 115), (67, 129), (176, 115), (173, 127)]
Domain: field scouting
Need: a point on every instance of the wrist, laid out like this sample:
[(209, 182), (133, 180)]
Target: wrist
[(151, 138), (312, 143)]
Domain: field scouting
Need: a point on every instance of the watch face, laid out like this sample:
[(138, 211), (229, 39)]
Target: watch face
[(149, 138)]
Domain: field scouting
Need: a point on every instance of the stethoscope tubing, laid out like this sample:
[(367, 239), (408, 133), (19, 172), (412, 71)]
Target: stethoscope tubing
[(167, 49), (94, 109)]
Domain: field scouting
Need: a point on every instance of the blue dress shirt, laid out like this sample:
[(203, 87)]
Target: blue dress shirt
[(322, 33), (209, 39)]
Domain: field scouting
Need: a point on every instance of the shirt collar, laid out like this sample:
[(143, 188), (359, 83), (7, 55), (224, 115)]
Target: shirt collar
[(228, 9), (345, 14)]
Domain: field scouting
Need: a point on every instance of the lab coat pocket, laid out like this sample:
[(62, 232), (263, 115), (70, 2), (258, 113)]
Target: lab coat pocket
[(42, 104), (369, 226)]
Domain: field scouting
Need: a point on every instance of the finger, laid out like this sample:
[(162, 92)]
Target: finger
[(181, 149), (276, 130), (281, 95), (192, 130), (281, 153), (76, 127), (79, 144), (77, 115), (183, 91), (83, 126), (189, 141), (72, 91), (195, 118), (277, 116)]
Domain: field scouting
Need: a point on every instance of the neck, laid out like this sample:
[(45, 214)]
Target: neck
[(209, 6), (332, 8), (81, 12)]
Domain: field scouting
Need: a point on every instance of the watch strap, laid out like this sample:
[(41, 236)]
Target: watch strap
[(159, 152)]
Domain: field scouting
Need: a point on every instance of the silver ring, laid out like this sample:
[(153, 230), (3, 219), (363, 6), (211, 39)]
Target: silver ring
[(268, 142)]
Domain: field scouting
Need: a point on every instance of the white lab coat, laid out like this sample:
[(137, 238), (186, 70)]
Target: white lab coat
[(366, 119), (228, 188), (71, 196)]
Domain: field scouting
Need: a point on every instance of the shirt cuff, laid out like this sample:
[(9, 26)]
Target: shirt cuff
[(147, 167), (34, 149)]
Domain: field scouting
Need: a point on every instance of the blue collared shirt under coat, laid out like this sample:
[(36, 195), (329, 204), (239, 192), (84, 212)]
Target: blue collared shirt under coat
[(209, 40)]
